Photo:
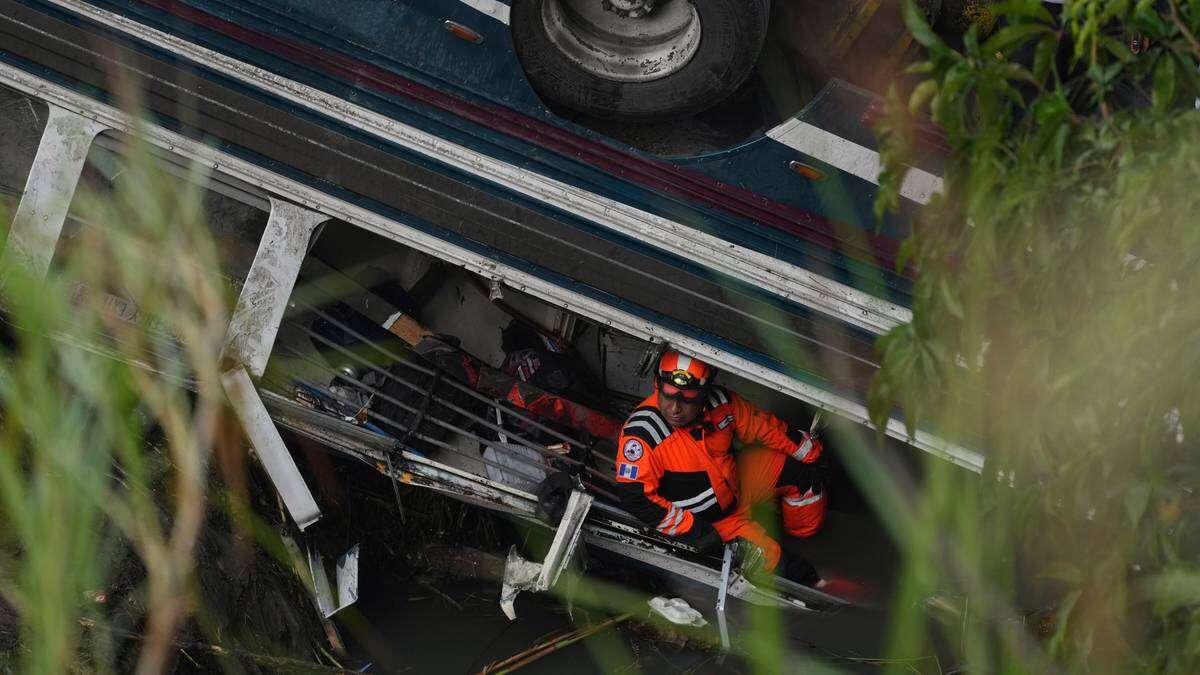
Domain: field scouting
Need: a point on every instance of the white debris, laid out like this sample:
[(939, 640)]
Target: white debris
[(677, 611)]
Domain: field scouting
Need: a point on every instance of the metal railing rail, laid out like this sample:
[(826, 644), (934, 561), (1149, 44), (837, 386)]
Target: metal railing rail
[(494, 403), (409, 430), (540, 449), (421, 367), (449, 447), (412, 432)]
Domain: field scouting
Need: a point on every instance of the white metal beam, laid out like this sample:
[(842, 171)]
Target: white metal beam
[(38, 221), (522, 575), (272, 452), (263, 301)]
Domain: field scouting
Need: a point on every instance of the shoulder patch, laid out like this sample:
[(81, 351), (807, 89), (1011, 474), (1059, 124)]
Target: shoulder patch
[(647, 424), (633, 450)]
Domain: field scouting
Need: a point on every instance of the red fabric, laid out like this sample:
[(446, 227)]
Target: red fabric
[(562, 410), (471, 370), (803, 514)]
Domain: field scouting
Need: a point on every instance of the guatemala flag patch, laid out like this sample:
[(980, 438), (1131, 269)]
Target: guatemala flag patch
[(627, 471)]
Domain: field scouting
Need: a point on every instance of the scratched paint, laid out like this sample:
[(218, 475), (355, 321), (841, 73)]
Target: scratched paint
[(273, 274), (38, 222)]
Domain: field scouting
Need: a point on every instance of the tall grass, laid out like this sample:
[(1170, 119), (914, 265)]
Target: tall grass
[(100, 445), (1054, 328), (1076, 551)]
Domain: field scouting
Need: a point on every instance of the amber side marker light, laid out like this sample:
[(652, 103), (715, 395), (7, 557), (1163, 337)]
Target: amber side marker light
[(809, 172), (460, 31)]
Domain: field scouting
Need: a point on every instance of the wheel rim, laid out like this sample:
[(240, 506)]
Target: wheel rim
[(621, 48)]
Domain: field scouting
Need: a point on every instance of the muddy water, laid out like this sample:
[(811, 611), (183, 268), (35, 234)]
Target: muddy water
[(415, 629), (448, 626), (459, 628)]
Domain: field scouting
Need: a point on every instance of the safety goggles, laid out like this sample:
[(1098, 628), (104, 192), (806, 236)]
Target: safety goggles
[(668, 390)]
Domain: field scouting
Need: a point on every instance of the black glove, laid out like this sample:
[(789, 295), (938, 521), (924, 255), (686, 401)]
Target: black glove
[(703, 536), (799, 570), (821, 470), (749, 558), (552, 494)]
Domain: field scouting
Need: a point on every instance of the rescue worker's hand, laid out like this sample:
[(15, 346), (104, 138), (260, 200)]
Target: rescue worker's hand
[(749, 557), (552, 494), (703, 536)]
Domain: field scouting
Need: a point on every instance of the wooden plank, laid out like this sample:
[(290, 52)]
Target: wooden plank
[(845, 34), (406, 328)]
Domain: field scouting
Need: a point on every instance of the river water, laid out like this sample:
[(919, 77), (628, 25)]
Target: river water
[(456, 626), (459, 628)]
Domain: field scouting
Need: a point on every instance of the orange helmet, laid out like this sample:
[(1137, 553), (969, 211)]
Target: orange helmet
[(684, 372)]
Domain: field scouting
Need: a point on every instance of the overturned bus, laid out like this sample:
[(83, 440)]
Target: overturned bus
[(448, 279)]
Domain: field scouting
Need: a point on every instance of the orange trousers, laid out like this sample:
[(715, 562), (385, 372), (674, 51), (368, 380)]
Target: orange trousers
[(758, 472)]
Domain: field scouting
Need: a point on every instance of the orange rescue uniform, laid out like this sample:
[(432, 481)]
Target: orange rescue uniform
[(684, 481)]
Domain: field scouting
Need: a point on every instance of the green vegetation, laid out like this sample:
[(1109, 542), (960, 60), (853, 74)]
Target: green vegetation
[(1055, 327), (81, 403), (1051, 329)]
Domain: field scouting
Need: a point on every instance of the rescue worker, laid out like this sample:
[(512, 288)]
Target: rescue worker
[(676, 470)]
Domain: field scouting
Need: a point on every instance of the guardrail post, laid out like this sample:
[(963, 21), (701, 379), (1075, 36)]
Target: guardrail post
[(272, 452), (248, 343), (263, 301), (722, 593), (38, 221)]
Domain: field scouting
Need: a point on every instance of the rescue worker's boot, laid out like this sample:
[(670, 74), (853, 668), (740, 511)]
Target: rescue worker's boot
[(755, 565), (795, 568)]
